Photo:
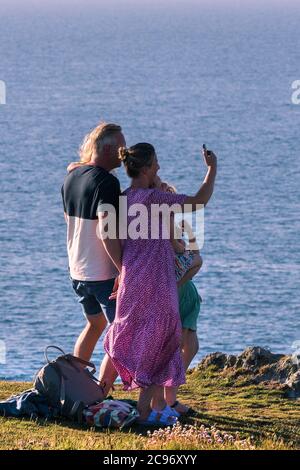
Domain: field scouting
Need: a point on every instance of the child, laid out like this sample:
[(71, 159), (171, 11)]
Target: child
[(187, 262)]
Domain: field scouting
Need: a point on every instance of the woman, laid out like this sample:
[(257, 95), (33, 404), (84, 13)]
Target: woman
[(189, 299), (144, 340)]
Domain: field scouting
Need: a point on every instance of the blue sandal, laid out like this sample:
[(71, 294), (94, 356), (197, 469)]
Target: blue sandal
[(171, 411), (161, 418)]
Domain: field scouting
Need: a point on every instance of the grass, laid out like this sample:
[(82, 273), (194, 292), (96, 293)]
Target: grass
[(260, 415)]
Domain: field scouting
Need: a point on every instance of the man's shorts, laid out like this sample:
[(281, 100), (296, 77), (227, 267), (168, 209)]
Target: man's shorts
[(94, 297)]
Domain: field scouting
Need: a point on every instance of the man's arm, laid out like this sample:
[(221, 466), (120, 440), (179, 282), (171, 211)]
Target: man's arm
[(112, 245), (63, 201), (113, 249), (108, 206)]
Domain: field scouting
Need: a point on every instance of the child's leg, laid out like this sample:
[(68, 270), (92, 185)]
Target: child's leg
[(190, 347), (170, 396)]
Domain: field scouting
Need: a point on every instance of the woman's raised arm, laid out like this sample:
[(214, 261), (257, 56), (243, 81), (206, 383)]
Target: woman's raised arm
[(207, 187)]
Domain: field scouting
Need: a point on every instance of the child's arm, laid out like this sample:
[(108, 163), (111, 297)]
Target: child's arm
[(196, 266), (177, 243), (74, 165), (193, 245)]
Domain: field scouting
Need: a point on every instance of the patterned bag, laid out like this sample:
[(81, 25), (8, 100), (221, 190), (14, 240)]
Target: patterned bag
[(114, 414)]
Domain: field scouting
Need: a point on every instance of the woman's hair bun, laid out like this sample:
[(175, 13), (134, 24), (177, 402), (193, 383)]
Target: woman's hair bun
[(136, 157)]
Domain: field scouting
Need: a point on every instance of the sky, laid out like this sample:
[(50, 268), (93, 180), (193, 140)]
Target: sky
[(122, 8), (141, 3), (64, 7)]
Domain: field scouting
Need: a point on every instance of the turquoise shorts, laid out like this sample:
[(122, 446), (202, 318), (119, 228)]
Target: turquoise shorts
[(189, 305)]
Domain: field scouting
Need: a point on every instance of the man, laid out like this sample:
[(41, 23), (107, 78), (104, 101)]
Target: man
[(88, 185)]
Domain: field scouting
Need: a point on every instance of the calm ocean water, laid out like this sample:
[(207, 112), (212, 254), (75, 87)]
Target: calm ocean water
[(176, 77)]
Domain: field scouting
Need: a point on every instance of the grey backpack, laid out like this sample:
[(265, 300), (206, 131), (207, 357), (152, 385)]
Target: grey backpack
[(68, 384)]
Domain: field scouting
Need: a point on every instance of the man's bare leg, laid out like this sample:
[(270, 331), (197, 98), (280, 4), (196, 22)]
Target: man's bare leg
[(89, 336)]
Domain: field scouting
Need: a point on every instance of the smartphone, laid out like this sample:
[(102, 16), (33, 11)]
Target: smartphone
[(207, 151)]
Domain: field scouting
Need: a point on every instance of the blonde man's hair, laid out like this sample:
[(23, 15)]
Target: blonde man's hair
[(103, 134)]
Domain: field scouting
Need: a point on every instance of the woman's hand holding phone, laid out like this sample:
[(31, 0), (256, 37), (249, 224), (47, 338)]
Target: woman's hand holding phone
[(210, 158)]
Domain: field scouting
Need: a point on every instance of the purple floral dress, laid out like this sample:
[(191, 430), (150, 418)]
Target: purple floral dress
[(144, 340)]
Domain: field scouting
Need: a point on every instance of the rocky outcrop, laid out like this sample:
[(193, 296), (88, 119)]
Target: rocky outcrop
[(259, 365)]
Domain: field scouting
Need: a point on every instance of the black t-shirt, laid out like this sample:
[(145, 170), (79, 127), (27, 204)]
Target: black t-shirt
[(84, 190), (86, 187)]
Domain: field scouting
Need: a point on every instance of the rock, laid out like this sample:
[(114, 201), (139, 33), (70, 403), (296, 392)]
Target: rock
[(293, 386), (255, 357), (231, 360), (261, 366), (216, 359)]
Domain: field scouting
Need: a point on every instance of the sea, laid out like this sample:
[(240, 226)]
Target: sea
[(176, 74)]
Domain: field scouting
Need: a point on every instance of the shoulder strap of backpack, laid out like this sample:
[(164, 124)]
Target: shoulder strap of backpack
[(68, 357), (78, 406), (62, 389), (53, 347)]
